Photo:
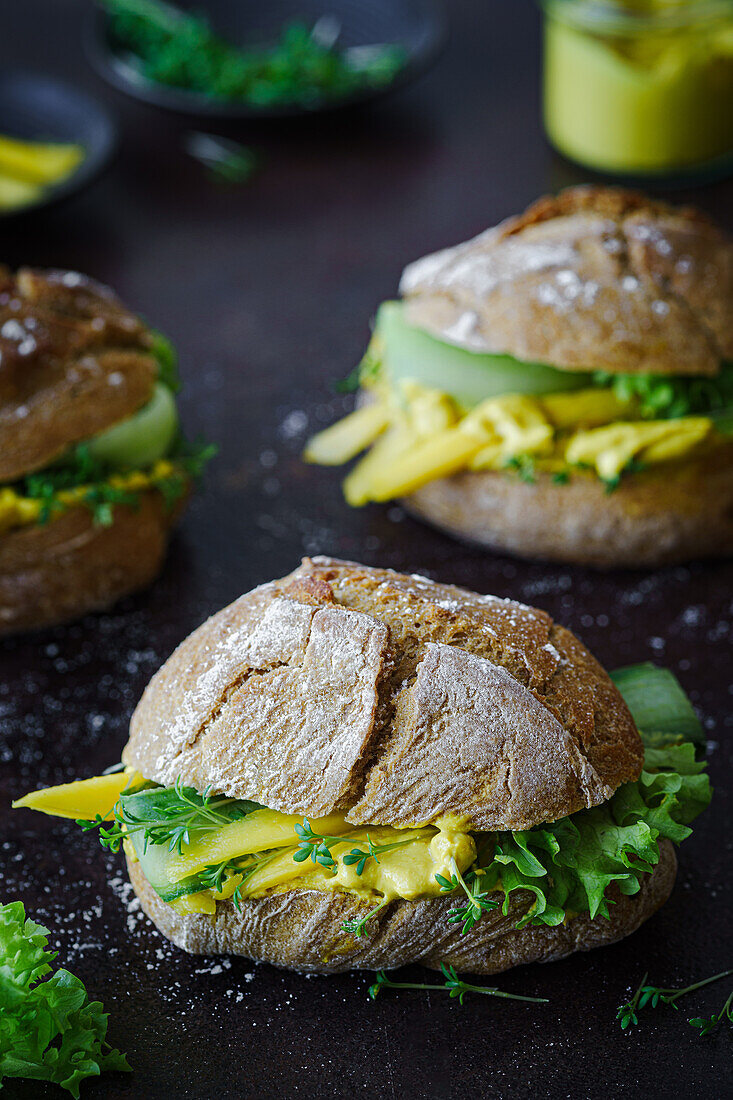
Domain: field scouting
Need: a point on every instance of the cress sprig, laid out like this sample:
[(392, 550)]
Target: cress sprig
[(650, 996), (185, 811), (317, 848), (478, 900), (455, 987), (709, 1023)]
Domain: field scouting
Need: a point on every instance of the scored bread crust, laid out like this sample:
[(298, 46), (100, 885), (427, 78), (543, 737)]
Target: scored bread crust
[(668, 514), (73, 362), (55, 572), (389, 698), (595, 278), (301, 928)]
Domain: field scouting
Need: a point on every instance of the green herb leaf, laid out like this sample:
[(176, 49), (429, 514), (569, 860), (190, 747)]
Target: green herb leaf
[(49, 1030)]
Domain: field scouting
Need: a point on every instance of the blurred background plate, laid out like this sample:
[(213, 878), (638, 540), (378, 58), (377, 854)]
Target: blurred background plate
[(418, 26), (34, 107)]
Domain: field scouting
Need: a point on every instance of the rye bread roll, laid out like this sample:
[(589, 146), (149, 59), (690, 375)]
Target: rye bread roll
[(64, 569), (595, 278), (395, 701), (73, 362)]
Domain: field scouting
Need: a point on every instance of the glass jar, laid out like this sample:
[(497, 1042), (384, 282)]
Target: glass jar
[(640, 87)]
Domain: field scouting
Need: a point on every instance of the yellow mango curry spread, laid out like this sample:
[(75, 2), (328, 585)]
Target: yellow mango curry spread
[(416, 435), (408, 860), (17, 510)]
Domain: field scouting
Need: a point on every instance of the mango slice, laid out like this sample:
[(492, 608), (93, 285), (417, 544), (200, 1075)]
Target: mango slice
[(346, 438), (257, 832), (81, 800)]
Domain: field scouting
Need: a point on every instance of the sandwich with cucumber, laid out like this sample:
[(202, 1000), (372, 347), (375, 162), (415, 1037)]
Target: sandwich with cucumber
[(559, 387), (350, 767), (93, 467)]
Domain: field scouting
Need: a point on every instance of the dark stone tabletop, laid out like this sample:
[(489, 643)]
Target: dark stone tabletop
[(267, 290)]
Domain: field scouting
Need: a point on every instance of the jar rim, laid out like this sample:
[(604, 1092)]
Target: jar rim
[(612, 16)]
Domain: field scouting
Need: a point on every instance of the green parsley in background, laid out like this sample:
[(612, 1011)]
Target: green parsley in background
[(304, 67)]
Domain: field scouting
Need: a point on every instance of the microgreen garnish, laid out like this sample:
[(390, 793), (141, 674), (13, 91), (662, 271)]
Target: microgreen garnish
[(709, 1023), (167, 815), (358, 927), (454, 985), (317, 848), (562, 477), (524, 466), (661, 396), (478, 902), (653, 995)]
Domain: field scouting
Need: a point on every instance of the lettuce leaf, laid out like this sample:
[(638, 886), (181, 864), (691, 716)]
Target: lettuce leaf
[(49, 1030), (570, 864)]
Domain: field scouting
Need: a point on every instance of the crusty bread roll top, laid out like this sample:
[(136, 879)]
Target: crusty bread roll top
[(73, 362), (388, 697), (595, 278)]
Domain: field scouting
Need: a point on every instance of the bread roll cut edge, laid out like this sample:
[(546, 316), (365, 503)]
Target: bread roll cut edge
[(59, 571), (300, 929)]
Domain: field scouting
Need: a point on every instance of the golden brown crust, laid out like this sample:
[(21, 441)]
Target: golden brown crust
[(593, 279), (73, 361), (301, 929), (669, 514), (311, 707), (56, 572)]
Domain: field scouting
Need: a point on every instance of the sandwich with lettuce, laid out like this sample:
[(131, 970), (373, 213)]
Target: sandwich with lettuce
[(350, 767), (559, 387)]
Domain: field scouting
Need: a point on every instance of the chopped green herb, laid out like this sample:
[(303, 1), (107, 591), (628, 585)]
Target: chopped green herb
[(302, 67), (524, 466), (562, 477), (49, 1030), (662, 396)]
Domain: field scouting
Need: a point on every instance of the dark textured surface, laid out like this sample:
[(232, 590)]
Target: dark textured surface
[(267, 291)]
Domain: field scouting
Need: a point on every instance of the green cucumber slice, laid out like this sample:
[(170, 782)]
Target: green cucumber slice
[(467, 376), (143, 438), (155, 863)]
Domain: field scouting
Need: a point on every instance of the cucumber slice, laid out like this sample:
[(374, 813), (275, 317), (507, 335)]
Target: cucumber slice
[(155, 862), (467, 376), (143, 438)]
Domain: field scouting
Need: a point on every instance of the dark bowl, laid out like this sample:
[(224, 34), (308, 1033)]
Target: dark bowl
[(36, 107), (418, 26)]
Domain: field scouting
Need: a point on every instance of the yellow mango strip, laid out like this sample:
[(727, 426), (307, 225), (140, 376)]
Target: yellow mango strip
[(38, 162), (16, 193), (393, 444), (282, 868), (443, 455), (584, 408), (346, 438), (610, 449), (194, 903), (690, 431), (257, 832), (81, 800)]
